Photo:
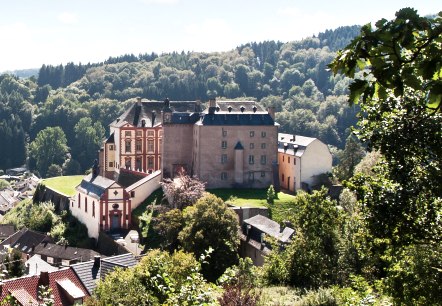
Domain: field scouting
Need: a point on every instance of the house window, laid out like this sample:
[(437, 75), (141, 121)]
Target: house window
[(294, 161), (160, 133), (150, 133), (263, 159), (252, 133), (223, 176), (263, 134), (127, 133), (224, 144), (251, 159), (223, 158), (85, 204), (111, 164), (252, 145), (128, 163), (150, 162), (111, 147), (138, 133), (224, 133), (283, 158), (263, 145), (138, 163), (128, 145), (127, 217), (251, 176), (132, 194), (79, 201), (288, 159), (150, 146), (263, 174), (138, 145), (93, 209), (282, 178), (160, 143)]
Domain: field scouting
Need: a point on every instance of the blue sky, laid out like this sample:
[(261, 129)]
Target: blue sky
[(55, 32)]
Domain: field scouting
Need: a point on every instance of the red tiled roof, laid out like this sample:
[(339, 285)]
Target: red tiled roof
[(27, 287)]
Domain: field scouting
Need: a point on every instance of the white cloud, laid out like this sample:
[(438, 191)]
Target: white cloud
[(68, 18)]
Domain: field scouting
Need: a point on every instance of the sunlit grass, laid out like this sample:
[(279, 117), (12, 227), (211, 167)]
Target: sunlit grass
[(63, 184)]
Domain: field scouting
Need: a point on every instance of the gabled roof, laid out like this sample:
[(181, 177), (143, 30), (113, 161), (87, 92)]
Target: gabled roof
[(64, 252), (111, 139), (6, 230), (127, 178), (270, 227), (35, 265), (293, 144), (64, 283), (90, 272), (95, 186), (25, 240)]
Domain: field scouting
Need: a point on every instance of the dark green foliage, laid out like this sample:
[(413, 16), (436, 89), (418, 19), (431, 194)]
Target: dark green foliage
[(211, 224), (271, 195), (14, 264)]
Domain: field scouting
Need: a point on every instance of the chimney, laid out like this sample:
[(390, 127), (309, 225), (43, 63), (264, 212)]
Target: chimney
[(271, 111), (154, 115), (95, 169), (212, 106), (197, 106), (44, 278), (97, 260), (166, 103), (143, 123), (138, 101)]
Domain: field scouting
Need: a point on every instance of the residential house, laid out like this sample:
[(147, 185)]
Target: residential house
[(66, 288), (25, 241), (6, 230), (252, 237), (301, 160), (63, 255)]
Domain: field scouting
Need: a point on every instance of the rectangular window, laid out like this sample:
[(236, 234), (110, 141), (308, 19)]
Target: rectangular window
[(160, 133), (223, 158), (252, 133), (251, 176), (150, 133), (132, 194), (251, 159), (294, 161), (263, 145), (252, 145), (85, 205), (263, 134), (223, 176), (282, 178), (263, 159), (111, 147), (224, 144), (150, 146), (138, 145), (139, 133), (128, 145), (224, 133), (111, 164), (127, 133), (150, 162), (160, 143), (127, 217), (283, 158)]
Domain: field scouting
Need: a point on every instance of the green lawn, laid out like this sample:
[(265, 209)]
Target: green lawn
[(64, 184), (250, 197)]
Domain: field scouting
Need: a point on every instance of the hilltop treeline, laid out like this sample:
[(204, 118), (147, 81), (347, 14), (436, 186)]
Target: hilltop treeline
[(292, 77)]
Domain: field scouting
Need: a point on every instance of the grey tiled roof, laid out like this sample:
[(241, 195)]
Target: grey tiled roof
[(25, 240), (270, 227), (108, 264), (94, 186), (145, 110), (6, 230), (252, 119), (64, 252)]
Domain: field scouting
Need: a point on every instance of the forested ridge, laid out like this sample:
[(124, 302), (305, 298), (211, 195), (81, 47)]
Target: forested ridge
[(292, 77)]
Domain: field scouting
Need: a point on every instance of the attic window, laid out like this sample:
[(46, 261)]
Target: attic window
[(242, 108), (229, 108)]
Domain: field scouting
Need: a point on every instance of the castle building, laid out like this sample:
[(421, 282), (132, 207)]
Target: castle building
[(231, 144)]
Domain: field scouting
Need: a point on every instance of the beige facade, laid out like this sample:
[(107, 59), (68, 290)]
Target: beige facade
[(300, 160), (232, 144)]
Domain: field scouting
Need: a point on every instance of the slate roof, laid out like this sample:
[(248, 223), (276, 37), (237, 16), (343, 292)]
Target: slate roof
[(6, 230), (64, 252), (111, 139), (235, 106), (296, 146), (144, 110), (185, 118), (128, 178), (63, 283), (270, 227), (25, 240), (252, 119), (89, 272), (94, 186)]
